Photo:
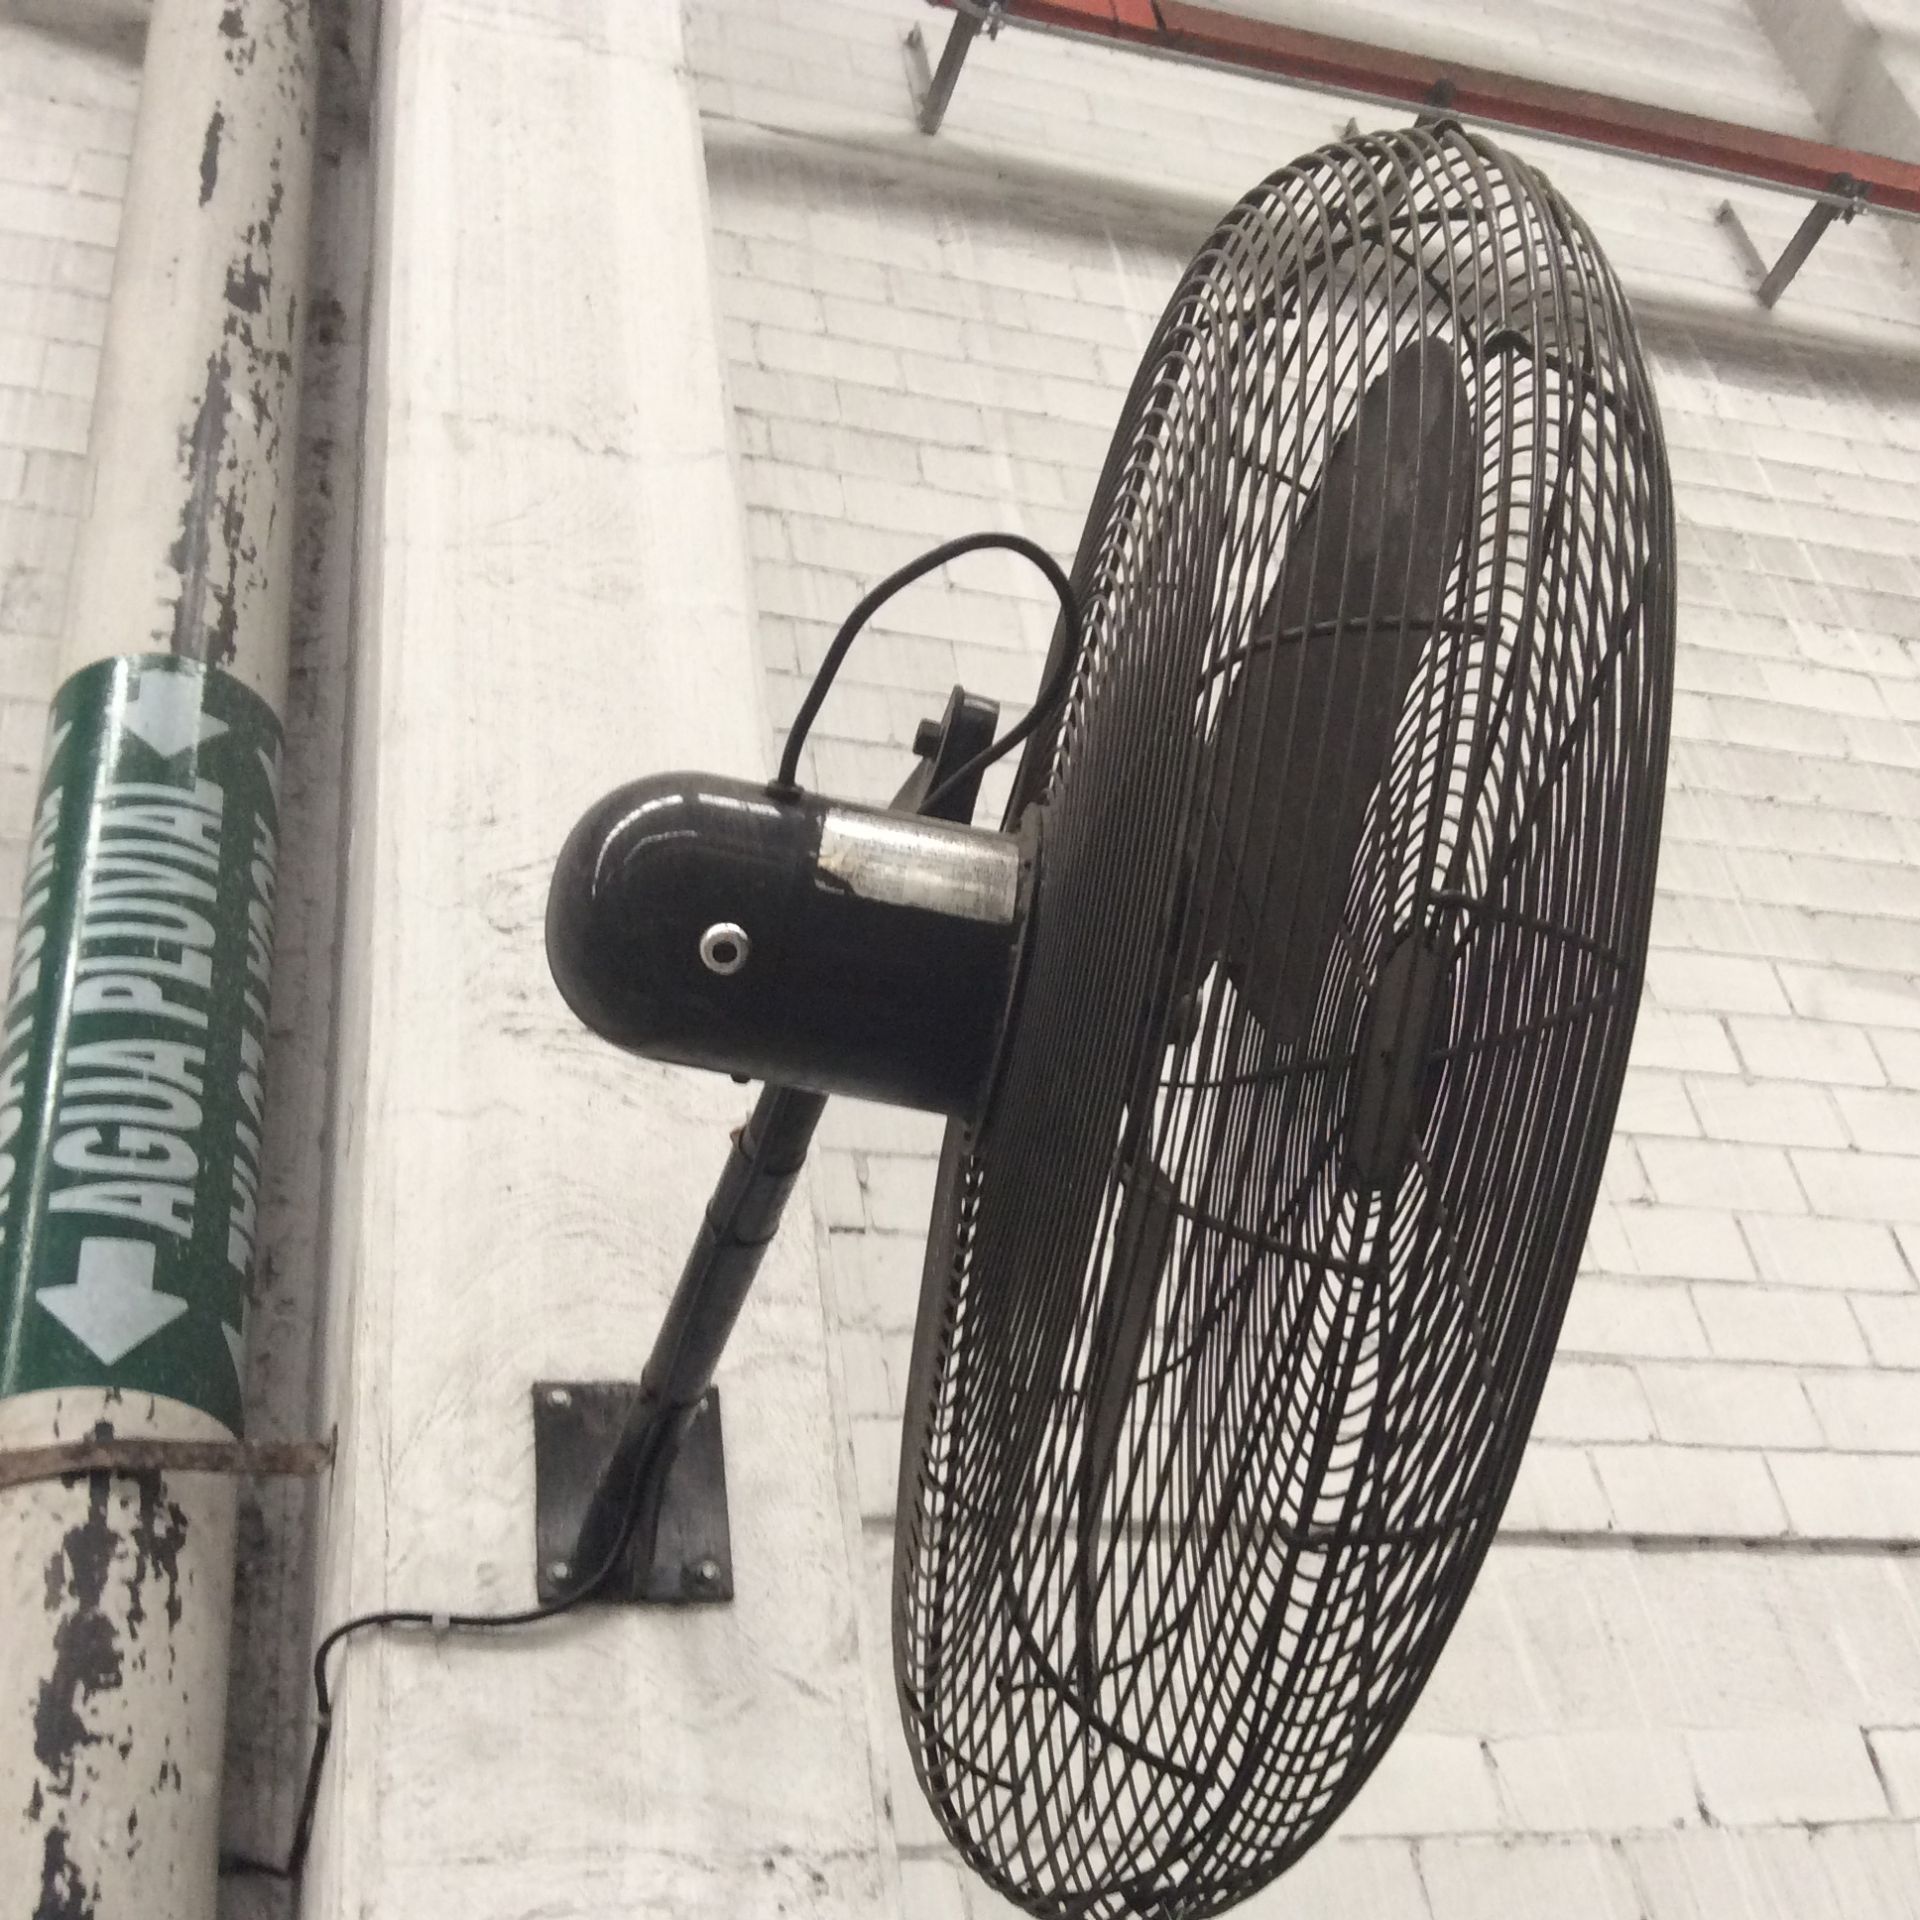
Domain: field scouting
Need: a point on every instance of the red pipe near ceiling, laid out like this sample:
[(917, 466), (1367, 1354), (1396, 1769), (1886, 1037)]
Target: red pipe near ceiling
[(1477, 93)]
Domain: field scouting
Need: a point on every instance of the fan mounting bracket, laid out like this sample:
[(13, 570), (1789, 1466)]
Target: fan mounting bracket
[(1844, 198), (932, 87), (576, 1425)]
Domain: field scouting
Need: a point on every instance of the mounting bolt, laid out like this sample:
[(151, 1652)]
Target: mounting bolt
[(559, 1572), (926, 739), (559, 1397), (703, 1576)]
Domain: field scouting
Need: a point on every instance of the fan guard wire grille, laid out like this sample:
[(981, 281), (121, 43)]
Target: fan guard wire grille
[(1147, 1686)]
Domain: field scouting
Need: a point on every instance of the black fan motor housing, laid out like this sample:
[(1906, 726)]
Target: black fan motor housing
[(713, 923)]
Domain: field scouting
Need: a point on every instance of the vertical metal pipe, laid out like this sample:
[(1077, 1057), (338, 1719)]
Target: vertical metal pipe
[(132, 1050)]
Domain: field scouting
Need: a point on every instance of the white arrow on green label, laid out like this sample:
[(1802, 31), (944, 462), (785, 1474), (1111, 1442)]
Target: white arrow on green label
[(164, 711), (112, 1305)]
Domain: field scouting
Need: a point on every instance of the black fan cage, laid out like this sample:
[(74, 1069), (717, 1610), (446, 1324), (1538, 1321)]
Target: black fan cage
[(1222, 1378)]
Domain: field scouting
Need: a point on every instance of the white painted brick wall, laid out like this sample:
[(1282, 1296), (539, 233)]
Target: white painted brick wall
[(927, 337), (66, 124)]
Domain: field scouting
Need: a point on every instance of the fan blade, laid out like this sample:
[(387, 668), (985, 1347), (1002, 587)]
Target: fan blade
[(1305, 732), (1142, 1237)]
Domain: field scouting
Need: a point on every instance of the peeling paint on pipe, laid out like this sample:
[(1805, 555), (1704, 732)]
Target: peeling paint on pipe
[(130, 1054)]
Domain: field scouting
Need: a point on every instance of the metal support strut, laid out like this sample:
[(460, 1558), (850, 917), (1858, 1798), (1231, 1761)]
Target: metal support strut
[(636, 1469), (1774, 280), (932, 90)]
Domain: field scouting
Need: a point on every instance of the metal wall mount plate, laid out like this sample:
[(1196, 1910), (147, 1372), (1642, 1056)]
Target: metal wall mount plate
[(575, 1426)]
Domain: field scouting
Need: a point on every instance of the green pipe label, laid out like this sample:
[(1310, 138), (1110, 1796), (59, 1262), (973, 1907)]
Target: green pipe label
[(134, 1038)]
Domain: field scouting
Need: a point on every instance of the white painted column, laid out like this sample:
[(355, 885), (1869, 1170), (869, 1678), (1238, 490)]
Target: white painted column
[(136, 1018), (555, 599)]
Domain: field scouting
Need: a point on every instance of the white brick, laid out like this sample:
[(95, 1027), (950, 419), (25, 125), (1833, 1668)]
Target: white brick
[(931, 1888), (70, 369), (1896, 1751), (1899, 1054), (1713, 1173), (21, 357), (1766, 1776), (826, 357), (1766, 1112), (899, 1193), (1607, 1780), (1778, 1323), (836, 1185), (876, 1278), (1679, 1243), (1871, 1869), (1426, 1783), (1689, 1490), (1715, 1874), (1623, 1182), (1634, 1318), (1861, 1186), (876, 1466), (1585, 1401), (1655, 1103), (1868, 1413), (52, 422), (864, 1370), (1607, 1250), (834, 449), (1859, 999), (914, 1824), (1882, 1121), (102, 175), (863, 1126), (1690, 1042), (59, 216), (1812, 1050), (1849, 1496), (1704, 1404), (1344, 1880), (1556, 1492), (1573, 1880), (37, 163), (55, 482), (984, 1903), (1892, 1327), (1714, 983), (1849, 1254)]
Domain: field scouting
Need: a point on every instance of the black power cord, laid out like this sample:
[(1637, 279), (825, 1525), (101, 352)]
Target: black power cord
[(1045, 704), (638, 1523)]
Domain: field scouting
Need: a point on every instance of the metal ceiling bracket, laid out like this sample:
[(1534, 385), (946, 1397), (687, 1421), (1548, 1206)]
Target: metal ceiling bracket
[(1772, 281), (576, 1424), (933, 88)]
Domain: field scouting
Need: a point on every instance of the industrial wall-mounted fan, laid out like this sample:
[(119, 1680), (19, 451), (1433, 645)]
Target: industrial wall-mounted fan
[(1282, 1028)]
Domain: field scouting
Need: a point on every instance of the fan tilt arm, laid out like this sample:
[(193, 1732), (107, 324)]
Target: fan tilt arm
[(609, 1502)]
